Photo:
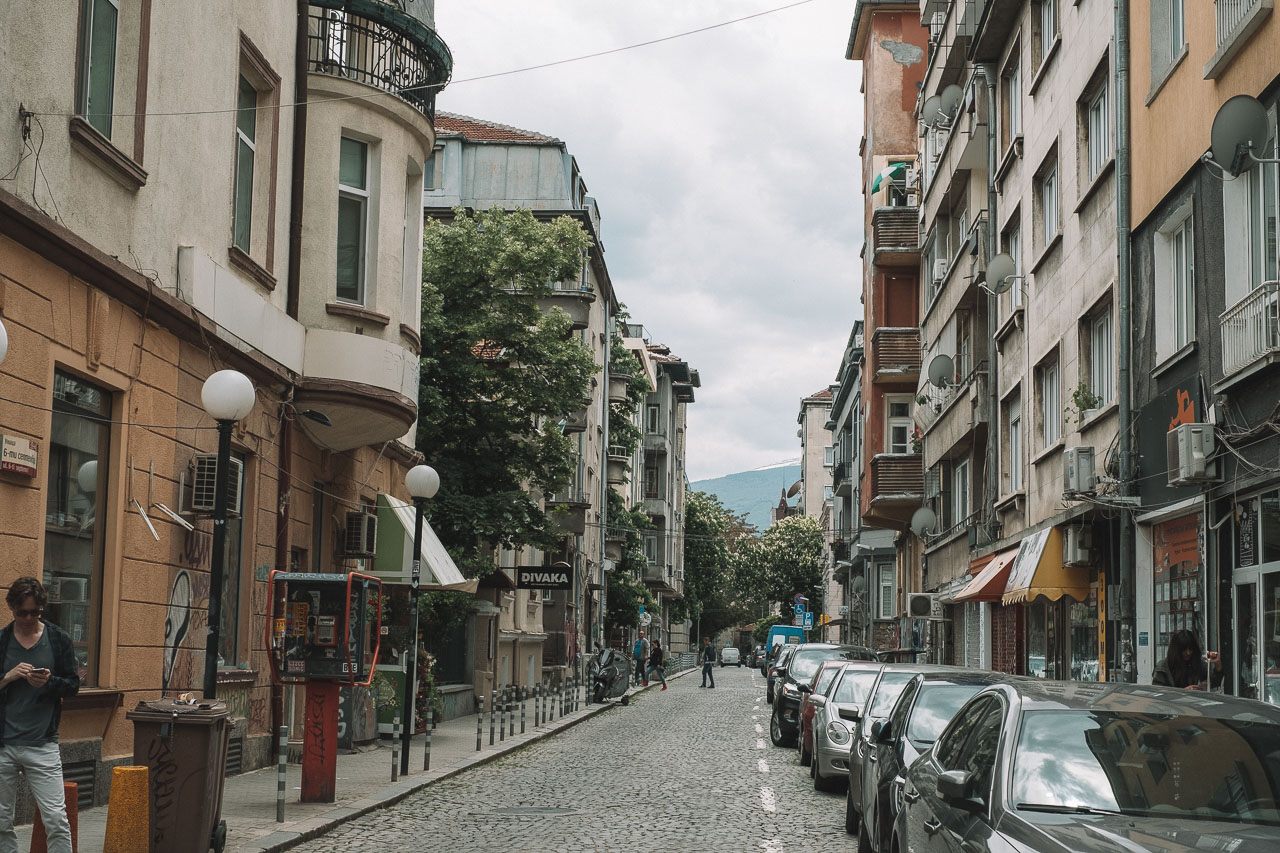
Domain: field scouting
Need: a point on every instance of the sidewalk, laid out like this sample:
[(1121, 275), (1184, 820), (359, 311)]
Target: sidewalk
[(363, 785)]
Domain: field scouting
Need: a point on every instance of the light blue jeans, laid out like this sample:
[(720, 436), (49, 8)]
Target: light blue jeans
[(42, 767), (648, 676)]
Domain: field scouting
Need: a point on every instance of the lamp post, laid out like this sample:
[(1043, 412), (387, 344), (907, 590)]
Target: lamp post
[(227, 396), (423, 482), (4, 342)]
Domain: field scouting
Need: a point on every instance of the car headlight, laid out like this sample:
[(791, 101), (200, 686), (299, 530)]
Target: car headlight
[(837, 732), (789, 689)]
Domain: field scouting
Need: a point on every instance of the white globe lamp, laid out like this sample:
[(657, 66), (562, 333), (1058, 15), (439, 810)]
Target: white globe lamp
[(422, 481), (227, 395)]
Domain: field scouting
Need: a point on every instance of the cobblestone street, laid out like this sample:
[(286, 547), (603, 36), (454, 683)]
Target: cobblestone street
[(688, 769)]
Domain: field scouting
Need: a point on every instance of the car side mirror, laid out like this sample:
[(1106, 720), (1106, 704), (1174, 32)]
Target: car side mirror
[(882, 730), (817, 700), (804, 688), (850, 714), (956, 788)]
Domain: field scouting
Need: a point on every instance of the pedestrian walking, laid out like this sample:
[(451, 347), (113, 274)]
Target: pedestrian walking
[(641, 655), (39, 667), (655, 664), (1184, 665), (707, 657)]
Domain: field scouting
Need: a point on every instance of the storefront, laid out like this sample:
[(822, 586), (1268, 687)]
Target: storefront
[(1172, 582), (1061, 603), (1255, 646)]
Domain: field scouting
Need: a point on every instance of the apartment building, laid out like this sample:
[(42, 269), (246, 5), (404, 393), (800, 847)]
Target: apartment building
[(887, 38), (523, 634), (816, 499), (1204, 283), (186, 192)]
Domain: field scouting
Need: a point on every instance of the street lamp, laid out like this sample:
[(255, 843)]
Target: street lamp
[(423, 482), (227, 396), (4, 342)]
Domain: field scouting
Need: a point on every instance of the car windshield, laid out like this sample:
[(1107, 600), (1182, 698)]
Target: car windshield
[(805, 663), (825, 678), (891, 687), (934, 708), (853, 688), (1190, 767)]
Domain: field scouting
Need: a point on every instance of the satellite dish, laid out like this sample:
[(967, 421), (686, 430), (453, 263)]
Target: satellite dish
[(795, 487), (1240, 125), (1000, 273), (942, 371), (859, 584), (923, 521), (929, 112), (949, 100)]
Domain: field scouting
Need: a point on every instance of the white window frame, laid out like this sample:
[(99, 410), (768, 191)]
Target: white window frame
[(1177, 27), (828, 493), (891, 422), (1049, 382), (886, 591), (1102, 356), (362, 196), (1013, 94), (651, 551), (246, 148), (1048, 185), (1183, 268), (959, 492), (1048, 20), (1013, 248), (1097, 124), (828, 456), (1014, 428), (97, 115)]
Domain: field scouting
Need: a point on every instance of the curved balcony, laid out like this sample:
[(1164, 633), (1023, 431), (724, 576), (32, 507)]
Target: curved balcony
[(575, 302), (618, 383), (364, 386), (379, 45), (616, 466), (568, 508)]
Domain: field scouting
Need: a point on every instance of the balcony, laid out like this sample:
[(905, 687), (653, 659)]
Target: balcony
[(573, 300), (959, 410), (655, 504), (1251, 329), (379, 45), (576, 421), (895, 236), (660, 577), (618, 383), (840, 550), (1235, 21), (895, 354), (568, 508), (616, 466), (840, 479), (897, 489), (656, 442)]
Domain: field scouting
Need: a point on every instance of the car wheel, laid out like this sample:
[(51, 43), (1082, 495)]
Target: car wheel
[(851, 821), (768, 695), (806, 755), (864, 840), (824, 783), (776, 734)]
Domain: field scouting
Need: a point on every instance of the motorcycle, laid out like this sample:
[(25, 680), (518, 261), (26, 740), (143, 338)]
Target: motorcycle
[(609, 672)]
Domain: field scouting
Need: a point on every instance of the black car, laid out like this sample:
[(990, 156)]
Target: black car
[(772, 670), (1097, 767), (888, 686), (784, 724), (926, 705)]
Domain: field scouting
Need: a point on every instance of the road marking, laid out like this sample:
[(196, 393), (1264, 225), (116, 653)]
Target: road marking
[(759, 743), (759, 729), (773, 845), (756, 708), (763, 765), (767, 801)]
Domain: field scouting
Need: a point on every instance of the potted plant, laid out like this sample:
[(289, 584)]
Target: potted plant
[(917, 440), (1084, 403)]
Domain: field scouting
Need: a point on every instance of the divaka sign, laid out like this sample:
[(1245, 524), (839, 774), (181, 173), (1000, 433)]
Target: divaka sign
[(544, 577)]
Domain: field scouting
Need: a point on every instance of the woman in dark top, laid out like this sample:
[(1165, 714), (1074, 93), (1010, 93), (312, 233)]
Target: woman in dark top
[(1184, 664), (655, 663)]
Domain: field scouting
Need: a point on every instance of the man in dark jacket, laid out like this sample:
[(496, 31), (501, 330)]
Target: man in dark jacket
[(707, 657), (39, 668)]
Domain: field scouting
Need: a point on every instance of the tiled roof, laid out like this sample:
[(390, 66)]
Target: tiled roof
[(485, 131), (824, 394)]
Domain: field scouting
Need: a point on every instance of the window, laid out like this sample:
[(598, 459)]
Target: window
[(433, 170), (1046, 30), (1012, 298), (887, 596), (1175, 289), (651, 485), (1168, 38), (1013, 445), (1177, 27), (1012, 98), (1102, 356), (964, 348), (246, 124), (1249, 224), (828, 456), (229, 634), (1097, 131), (653, 419), (932, 284), (828, 492), (75, 513), (100, 19), (899, 423), (959, 492), (1047, 203), (353, 218), (651, 550), (1050, 404)]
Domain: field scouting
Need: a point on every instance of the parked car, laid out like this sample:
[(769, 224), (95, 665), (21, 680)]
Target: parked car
[(778, 665), (784, 724), (835, 721), (754, 657), (779, 638), (1035, 765), (818, 686), (730, 655), (926, 705), (891, 681)]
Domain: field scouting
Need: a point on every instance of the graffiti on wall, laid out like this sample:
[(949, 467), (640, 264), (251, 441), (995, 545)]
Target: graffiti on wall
[(187, 616), (249, 703), (176, 624)]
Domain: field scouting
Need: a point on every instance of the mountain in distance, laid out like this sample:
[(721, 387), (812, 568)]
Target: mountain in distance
[(752, 494)]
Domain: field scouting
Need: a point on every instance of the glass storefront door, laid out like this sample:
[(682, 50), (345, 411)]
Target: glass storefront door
[(1246, 656)]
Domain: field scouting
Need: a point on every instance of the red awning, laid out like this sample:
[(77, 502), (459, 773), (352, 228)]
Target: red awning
[(990, 582)]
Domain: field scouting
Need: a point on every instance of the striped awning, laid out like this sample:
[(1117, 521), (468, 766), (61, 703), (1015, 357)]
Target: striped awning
[(1038, 571), (989, 584)]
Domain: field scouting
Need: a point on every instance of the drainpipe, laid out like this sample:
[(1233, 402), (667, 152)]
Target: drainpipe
[(604, 461), (298, 169), (988, 72), (1125, 636)]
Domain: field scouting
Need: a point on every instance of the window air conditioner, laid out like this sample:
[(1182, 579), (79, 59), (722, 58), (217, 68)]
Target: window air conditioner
[(204, 472), (1078, 474), (913, 200), (911, 176), (924, 605), (1190, 455), (361, 534), (1077, 547), (939, 269)]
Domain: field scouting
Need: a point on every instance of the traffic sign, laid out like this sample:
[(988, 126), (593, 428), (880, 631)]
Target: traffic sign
[(808, 619), (800, 598)]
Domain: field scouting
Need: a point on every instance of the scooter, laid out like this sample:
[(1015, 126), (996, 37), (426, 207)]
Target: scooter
[(609, 672)]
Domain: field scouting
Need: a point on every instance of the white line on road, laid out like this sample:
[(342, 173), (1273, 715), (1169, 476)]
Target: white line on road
[(773, 845), (767, 801), (763, 765), (759, 729), (759, 743)]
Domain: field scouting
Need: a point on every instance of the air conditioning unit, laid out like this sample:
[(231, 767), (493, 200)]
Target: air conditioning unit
[(924, 605), (913, 199), (204, 473), (911, 176), (1190, 453), (69, 590), (939, 269), (1078, 474), (361, 534), (1077, 547)]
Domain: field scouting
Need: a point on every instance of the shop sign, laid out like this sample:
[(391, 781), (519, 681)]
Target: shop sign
[(544, 577), (1246, 535), (20, 455)]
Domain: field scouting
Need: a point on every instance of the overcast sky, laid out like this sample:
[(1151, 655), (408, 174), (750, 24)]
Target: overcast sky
[(725, 164)]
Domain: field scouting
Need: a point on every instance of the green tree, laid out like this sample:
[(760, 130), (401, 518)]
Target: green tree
[(497, 377), (788, 559), (712, 534)]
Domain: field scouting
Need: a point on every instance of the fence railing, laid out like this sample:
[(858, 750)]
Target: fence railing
[(1230, 14), (1249, 328)]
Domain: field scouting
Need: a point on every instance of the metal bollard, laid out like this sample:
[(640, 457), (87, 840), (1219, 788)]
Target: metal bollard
[(281, 769), (515, 694), (524, 698), (426, 755), (395, 750), (479, 723), (502, 716), (537, 705), (493, 713)]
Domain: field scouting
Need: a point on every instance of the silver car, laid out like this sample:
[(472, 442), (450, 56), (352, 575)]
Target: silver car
[(835, 717)]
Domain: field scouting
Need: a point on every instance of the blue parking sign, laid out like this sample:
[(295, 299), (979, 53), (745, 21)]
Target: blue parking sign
[(808, 619)]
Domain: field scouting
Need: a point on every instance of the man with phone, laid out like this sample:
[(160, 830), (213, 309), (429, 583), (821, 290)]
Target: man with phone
[(39, 666)]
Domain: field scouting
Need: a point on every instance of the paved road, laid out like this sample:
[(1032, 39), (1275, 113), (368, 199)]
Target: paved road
[(688, 769)]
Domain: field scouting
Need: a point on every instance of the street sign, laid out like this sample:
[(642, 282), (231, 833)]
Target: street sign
[(800, 599), (543, 577), (808, 619), (798, 620)]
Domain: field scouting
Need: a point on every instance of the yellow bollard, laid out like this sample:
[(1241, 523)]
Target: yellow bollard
[(128, 819)]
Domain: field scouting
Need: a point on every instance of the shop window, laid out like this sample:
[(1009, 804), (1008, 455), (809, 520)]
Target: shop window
[(1179, 578), (75, 512), (1083, 618), (229, 633)]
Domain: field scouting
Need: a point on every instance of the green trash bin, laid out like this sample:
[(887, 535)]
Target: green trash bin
[(185, 749)]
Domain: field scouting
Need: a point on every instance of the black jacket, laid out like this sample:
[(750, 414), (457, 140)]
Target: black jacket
[(64, 681), (1198, 672)]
